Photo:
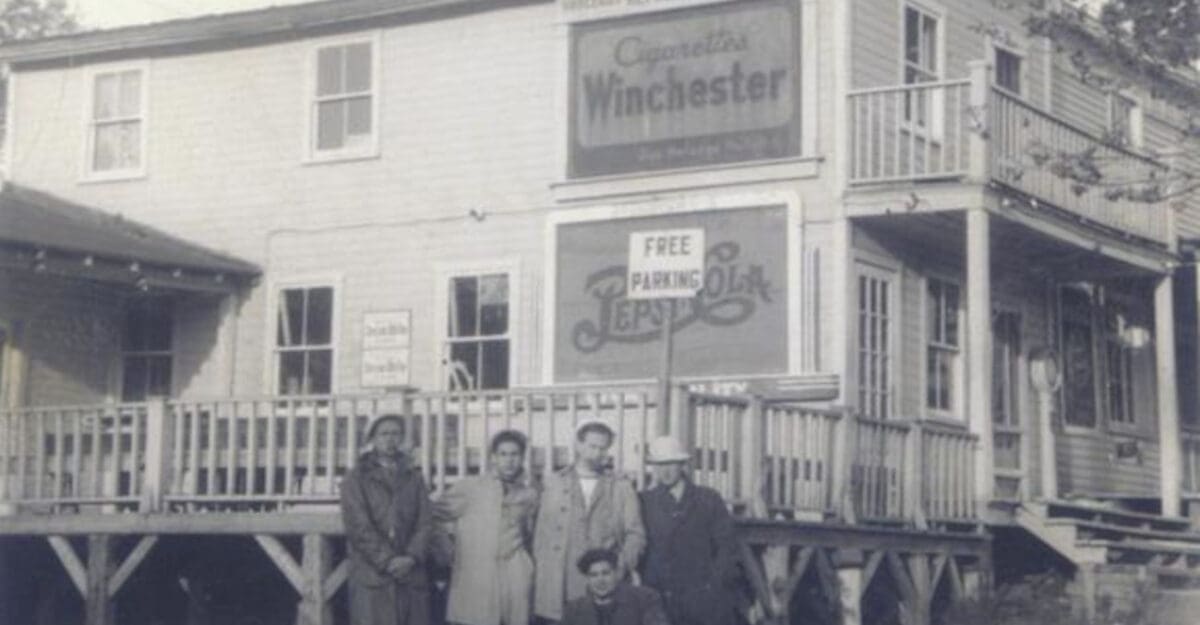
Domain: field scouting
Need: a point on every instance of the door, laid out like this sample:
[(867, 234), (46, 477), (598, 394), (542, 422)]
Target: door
[(876, 316), (1008, 422)]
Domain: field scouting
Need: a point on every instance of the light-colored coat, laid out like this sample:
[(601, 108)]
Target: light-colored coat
[(475, 506), (567, 527)]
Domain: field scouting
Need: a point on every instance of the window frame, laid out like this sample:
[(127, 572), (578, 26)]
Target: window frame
[(170, 352), (1134, 139), (273, 350), (445, 272), (310, 99), (88, 171), (1119, 305), (934, 126), (866, 266), (954, 413), (1016, 50)]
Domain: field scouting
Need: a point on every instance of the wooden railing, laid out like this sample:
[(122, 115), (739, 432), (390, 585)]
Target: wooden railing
[(1031, 150), (957, 129), (1189, 441), (764, 457), (910, 132)]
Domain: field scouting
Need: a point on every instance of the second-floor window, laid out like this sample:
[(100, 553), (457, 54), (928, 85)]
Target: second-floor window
[(1008, 71), (146, 349), (942, 356), (1124, 120), (343, 104), (116, 122), (921, 61), (304, 341)]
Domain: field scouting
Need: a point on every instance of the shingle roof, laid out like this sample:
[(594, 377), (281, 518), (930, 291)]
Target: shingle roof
[(42, 221), (278, 21)]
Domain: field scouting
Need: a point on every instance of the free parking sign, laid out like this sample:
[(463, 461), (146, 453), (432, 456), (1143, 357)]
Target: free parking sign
[(665, 263)]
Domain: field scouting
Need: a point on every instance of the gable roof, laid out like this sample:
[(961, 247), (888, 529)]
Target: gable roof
[(38, 220), (243, 27)]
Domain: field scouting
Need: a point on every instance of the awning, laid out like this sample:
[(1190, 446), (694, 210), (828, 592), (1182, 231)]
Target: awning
[(43, 233)]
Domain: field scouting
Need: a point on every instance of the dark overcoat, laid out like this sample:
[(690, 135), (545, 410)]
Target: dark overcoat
[(387, 514), (691, 551), (632, 605)]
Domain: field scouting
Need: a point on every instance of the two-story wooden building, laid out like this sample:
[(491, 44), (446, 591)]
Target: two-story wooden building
[(228, 240)]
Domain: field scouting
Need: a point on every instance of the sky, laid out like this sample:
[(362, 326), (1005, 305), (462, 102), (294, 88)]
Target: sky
[(94, 14)]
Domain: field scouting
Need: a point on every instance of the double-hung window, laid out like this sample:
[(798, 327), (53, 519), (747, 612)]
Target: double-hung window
[(1007, 70), (304, 340), (1124, 120), (943, 349), (116, 123), (1118, 383), (146, 349), (922, 64), (343, 102), (1078, 354), (478, 339)]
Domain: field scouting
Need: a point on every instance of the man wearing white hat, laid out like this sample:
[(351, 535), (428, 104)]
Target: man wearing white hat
[(691, 541), (582, 507)]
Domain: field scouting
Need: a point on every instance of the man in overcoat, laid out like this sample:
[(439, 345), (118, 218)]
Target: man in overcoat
[(388, 519), (491, 582), (610, 600), (691, 541), (582, 507)]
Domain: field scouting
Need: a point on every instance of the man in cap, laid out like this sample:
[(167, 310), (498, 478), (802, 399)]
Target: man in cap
[(609, 600), (691, 542), (582, 507)]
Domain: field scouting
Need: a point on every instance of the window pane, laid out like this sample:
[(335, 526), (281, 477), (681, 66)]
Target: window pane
[(319, 326), (931, 379), (358, 116), (933, 293), (495, 364), (319, 374), (929, 45), (358, 67), (329, 70), (493, 304), (158, 376), (950, 293), (105, 147), (912, 21), (291, 318), (133, 383), (291, 373), (131, 94), (463, 302), (106, 90), (463, 367), (331, 123)]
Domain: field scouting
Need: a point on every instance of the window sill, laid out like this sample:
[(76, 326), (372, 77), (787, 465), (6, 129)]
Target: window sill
[(341, 156), (689, 178), (123, 175), (944, 419)]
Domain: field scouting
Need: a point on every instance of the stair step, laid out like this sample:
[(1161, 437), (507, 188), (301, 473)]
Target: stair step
[(1149, 546), (1057, 508), (1123, 530)]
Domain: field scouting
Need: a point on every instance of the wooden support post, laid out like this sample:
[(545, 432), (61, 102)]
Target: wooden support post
[(753, 453), (679, 417), (851, 585), (914, 476), (908, 592), (980, 72), (314, 608), (845, 452), (979, 349), (1085, 580), (98, 608), (1170, 461), (923, 589), (158, 455), (70, 561), (283, 560)]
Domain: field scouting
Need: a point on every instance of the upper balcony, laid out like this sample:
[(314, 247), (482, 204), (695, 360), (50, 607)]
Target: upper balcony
[(970, 130)]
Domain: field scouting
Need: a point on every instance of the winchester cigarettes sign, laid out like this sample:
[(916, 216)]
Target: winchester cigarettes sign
[(736, 323), (712, 85)]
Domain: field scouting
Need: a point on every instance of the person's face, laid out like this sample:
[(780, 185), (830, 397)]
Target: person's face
[(507, 460), (669, 473), (601, 579), (592, 451), (388, 438)]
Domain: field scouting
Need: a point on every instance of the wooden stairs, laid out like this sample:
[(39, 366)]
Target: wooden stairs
[(1098, 539)]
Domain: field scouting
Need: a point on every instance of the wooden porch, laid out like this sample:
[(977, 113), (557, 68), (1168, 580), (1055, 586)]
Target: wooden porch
[(821, 494)]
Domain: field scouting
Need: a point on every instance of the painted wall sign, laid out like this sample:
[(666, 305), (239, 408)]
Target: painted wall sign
[(386, 348), (713, 85), (578, 10), (665, 263), (736, 324)]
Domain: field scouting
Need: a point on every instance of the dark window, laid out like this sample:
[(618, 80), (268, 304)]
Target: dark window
[(477, 341), (304, 341), (1079, 370), (1008, 71), (146, 345)]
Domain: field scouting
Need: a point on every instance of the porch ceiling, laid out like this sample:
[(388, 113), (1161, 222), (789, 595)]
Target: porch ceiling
[(44, 233), (1013, 245)]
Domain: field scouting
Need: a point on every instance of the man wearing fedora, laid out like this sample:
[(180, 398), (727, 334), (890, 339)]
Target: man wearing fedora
[(691, 542), (582, 507)]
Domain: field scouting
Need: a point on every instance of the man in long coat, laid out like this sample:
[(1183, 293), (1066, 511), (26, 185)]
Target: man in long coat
[(691, 541), (582, 507), (492, 579), (388, 519)]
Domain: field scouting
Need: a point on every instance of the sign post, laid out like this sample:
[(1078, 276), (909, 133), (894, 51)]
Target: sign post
[(665, 265)]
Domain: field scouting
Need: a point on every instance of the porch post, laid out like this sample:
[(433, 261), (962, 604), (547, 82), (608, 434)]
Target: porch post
[(979, 348), (1168, 400)]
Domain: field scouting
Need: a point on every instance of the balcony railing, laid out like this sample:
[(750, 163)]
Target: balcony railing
[(803, 461), (957, 129), (1189, 441)]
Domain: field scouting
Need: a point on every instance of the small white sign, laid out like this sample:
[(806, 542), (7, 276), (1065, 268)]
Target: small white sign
[(387, 330), (385, 367), (665, 263)]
